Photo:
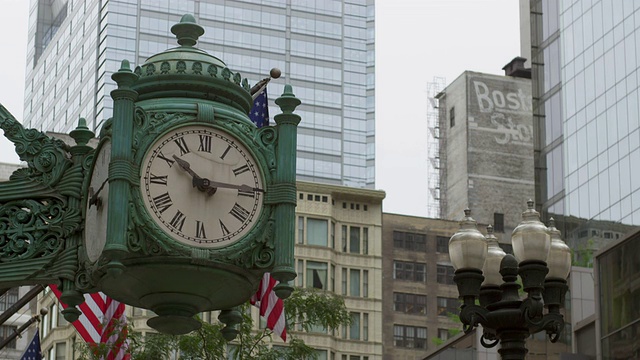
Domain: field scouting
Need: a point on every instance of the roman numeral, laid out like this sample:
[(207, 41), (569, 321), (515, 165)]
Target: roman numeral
[(205, 143), (200, 230), (239, 212), (240, 170), (162, 179), (226, 151), (250, 194), (182, 145), (178, 220), (169, 161), (162, 202), (224, 229)]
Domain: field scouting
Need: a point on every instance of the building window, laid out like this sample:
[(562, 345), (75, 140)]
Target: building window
[(333, 235), (354, 328), (448, 306), (409, 271), (443, 334), (445, 274), (410, 337), (442, 244), (498, 222), (61, 351), (365, 327), (8, 299), (5, 332), (317, 232), (410, 303), (365, 283), (354, 282), (452, 116), (300, 277), (365, 240), (344, 238), (317, 275), (333, 278), (354, 240), (409, 241), (344, 281), (300, 230)]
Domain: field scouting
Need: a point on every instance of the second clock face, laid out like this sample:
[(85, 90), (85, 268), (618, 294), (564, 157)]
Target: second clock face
[(202, 186)]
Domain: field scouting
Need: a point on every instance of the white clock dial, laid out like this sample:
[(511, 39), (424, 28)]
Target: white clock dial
[(95, 230), (201, 186)]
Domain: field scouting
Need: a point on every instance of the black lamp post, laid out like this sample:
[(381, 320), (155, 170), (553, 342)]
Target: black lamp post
[(485, 273)]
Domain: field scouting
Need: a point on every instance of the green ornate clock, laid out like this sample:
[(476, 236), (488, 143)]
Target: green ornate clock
[(202, 186)]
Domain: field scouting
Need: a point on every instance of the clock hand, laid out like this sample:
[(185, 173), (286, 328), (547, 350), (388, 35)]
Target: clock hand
[(215, 184), (197, 180), (95, 199), (184, 165)]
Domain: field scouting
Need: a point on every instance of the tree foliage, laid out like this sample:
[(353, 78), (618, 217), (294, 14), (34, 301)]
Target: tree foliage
[(305, 309)]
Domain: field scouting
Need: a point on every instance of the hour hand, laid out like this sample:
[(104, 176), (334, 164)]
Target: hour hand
[(184, 165)]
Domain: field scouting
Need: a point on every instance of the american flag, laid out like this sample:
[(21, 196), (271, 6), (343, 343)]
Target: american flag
[(271, 306), (33, 352), (259, 114), (103, 320)]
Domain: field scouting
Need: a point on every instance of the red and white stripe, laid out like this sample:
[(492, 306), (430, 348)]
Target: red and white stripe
[(97, 310), (271, 306)]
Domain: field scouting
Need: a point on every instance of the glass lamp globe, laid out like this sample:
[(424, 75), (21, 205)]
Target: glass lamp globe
[(530, 239), (468, 247), (491, 269), (559, 259)]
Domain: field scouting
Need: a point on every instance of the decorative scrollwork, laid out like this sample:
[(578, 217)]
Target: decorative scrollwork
[(30, 228)]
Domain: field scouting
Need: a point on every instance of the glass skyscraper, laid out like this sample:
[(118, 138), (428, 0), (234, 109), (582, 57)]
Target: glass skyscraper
[(586, 95), (325, 49), (586, 71)]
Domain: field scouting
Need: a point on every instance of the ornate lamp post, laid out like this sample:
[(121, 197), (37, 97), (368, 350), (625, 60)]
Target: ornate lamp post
[(485, 273)]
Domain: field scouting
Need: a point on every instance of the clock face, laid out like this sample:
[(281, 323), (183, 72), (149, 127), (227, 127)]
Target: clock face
[(201, 186), (95, 229)]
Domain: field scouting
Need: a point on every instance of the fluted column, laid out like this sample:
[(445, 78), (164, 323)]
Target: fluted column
[(284, 189), (121, 169)]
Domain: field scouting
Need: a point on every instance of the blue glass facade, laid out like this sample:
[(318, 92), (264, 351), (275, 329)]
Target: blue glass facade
[(325, 49)]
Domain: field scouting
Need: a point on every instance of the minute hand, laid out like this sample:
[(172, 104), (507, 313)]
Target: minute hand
[(243, 187)]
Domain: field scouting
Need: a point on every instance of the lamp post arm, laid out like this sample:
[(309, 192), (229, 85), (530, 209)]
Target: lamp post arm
[(471, 316)]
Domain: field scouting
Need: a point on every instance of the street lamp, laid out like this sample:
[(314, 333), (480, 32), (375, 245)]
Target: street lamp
[(485, 273)]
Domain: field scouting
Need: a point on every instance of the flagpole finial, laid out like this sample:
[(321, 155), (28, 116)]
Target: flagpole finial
[(275, 73)]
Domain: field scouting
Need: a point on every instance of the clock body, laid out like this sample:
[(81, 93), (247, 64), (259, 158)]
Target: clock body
[(201, 186), (96, 206)]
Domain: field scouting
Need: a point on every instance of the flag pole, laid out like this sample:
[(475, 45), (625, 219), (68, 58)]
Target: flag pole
[(260, 85), (22, 328)]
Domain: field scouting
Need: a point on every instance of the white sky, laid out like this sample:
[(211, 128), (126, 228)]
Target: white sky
[(416, 40)]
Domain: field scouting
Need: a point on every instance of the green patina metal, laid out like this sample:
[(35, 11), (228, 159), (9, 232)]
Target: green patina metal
[(46, 207)]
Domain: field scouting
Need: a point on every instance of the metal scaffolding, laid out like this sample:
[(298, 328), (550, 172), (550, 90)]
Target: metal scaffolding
[(435, 148)]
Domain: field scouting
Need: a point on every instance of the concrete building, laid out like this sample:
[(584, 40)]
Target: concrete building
[(338, 249), (325, 49), (486, 147)]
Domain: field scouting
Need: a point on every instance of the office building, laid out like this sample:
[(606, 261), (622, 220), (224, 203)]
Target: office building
[(325, 49), (585, 62)]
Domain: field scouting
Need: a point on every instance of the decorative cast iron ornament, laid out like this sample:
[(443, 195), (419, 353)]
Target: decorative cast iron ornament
[(485, 273), (181, 208)]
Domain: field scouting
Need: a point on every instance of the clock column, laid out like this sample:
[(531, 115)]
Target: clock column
[(121, 170), (283, 192)]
